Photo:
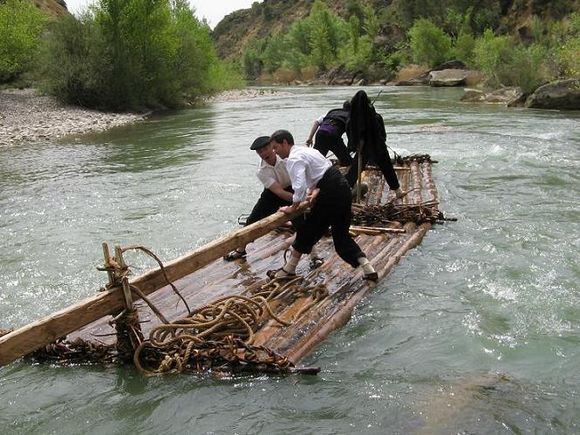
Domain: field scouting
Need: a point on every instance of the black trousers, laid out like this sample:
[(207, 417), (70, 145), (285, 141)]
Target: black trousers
[(267, 205), (332, 208), (325, 142), (379, 155)]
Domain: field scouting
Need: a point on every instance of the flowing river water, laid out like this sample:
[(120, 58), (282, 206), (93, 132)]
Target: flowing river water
[(475, 331)]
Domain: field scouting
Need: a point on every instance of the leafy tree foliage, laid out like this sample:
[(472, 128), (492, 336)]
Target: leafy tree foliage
[(131, 54), (430, 45), (491, 52), (21, 24), (568, 55)]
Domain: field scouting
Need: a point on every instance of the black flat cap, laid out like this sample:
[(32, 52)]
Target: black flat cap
[(260, 142)]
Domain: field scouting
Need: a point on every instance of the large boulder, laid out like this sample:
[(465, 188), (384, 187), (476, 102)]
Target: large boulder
[(561, 94), (422, 80), (450, 73), (454, 77), (510, 96), (448, 77)]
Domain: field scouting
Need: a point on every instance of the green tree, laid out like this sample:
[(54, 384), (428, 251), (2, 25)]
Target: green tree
[(568, 54), (130, 54), (251, 62), (326, 35), (429, 44), (525, 69), (21, 24), (463, 48), (275, 52), (491, 52), (72, 60)]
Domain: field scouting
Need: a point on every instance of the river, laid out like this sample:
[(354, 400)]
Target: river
[(476, 331)]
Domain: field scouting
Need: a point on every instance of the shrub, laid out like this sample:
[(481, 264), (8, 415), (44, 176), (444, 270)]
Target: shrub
[(463, 48), (251, 62), (567, 54), (21, 24), (411, 71), (285, 75), (70, 62), (490, 53), (132, 54), (525, 68), (429, 44), (309, 73)]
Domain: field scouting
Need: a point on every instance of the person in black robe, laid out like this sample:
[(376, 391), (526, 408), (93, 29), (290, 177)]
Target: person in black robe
[(366, 134)]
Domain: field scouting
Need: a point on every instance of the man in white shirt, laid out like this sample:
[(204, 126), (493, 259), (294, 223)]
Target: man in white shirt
[(277, 187), (277, 192), (315, 179)]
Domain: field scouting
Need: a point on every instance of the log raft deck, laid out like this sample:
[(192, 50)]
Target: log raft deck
[(203, 276)]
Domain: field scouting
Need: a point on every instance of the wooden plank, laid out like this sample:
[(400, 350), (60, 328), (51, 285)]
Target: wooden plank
[(45, 331)]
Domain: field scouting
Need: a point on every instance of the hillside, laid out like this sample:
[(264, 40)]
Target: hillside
[(274, 16), (53, 8)]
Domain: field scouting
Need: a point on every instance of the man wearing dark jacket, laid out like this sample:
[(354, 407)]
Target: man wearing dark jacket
[(329, 130)]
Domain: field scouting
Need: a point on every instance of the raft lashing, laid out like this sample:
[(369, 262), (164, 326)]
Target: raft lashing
[(199, 313)]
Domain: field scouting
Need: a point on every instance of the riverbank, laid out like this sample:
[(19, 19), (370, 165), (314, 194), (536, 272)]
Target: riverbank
[(26, 116), (244, 94)]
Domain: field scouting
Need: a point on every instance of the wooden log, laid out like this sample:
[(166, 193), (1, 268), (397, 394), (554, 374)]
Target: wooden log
[(31, 337), (373, 230)]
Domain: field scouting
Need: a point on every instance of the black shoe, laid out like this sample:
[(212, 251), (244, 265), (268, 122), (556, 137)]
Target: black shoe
[(235, 255), (316, 262), (373, 276)]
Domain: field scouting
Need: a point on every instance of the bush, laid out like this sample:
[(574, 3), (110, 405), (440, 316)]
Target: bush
[(491, 53), (284, 75), (525, 68), (133, 54), (429, 44), (567, 55), (463, 48), (410, 72), (70, 63), (21, 24)]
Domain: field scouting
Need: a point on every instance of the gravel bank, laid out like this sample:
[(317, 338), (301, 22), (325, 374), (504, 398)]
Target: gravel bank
[(245, 94), (26, 116)]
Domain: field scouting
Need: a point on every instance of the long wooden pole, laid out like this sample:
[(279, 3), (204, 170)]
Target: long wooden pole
[(31, 337)]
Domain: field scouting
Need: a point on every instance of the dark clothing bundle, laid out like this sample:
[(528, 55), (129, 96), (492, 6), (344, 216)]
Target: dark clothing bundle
[(329, 135), (331, 208), (367, 128)]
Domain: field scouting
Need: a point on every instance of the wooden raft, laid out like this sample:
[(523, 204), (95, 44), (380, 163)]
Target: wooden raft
[(203, 276)]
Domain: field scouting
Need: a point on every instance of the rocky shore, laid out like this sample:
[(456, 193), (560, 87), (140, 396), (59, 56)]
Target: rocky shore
[(26, 116), (245, 94)]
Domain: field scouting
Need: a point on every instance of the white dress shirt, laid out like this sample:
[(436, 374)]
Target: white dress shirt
[(306, 166), (269, 174)]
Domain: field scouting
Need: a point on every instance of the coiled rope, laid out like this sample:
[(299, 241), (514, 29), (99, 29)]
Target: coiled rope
[(221, 333)]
